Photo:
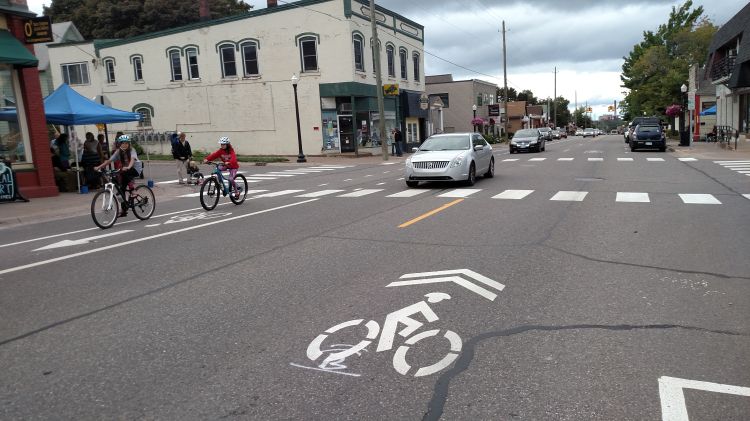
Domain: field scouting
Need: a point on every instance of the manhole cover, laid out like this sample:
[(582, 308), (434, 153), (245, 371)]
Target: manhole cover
[(589, 179)]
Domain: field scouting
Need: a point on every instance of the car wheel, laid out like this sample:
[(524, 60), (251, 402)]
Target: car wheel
[(472, 178), (411, 183), (663, 149), (511, 150), (632, 148), (491, 170)]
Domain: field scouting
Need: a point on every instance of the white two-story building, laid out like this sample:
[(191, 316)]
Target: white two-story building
[(233, 77)]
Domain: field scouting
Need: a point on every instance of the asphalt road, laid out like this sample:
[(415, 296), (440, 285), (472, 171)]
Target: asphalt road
[(557, 296)]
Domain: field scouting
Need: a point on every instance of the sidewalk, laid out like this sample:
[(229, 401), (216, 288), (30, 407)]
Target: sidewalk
[(712, 150), (67, 205)]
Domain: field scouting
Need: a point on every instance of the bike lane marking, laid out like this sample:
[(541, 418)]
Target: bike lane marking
[(430, 213), (151, 237), (673, 407)]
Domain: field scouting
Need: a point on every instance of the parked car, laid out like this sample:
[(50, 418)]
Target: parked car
[(589, 132), (648, 135), (546, 132), (579, 132), (528, 140), (636, 121), (556, 134), (450, 157)]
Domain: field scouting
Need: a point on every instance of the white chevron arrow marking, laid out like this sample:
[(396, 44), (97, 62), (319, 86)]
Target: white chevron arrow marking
[(437, 277)]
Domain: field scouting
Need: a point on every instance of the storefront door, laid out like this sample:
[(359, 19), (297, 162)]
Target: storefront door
[(346, 133)]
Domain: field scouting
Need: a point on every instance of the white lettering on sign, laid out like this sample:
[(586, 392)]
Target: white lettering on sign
[(673, 407)]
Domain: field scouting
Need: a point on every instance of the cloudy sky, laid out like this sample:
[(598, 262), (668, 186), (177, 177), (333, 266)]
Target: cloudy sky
[(585, 39)]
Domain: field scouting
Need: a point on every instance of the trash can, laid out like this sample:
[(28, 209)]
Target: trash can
[(684, 138)]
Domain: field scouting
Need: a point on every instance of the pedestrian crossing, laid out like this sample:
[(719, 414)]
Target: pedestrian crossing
[(510, 195), (740, 167), (276, 175)]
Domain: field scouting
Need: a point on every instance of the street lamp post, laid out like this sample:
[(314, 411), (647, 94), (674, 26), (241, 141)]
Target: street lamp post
[(474, 108), (683, 134), (300, 156)]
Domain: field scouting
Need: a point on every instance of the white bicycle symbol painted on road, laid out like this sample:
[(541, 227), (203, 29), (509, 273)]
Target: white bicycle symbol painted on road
[(187, 217)]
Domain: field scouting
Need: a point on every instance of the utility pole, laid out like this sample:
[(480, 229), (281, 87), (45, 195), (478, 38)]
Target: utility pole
[(505, 86), (554, 100), (378, 83)]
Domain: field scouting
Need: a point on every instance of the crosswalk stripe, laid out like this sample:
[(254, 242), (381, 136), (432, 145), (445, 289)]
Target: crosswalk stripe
[(277, 174), (296, 173), (510, 159), (408, 193), (632, 197), (319, 193), (199, 193), (570, 196), (707, 199), (731, 162), (747, 196), (513, 194), (655, 159), (359, 193), (732, 166), (565, 159), (279, 193), (624, 159), (459, 193), (686, 159), (303, 171), (596, 159), (744, 172), (537, 159)]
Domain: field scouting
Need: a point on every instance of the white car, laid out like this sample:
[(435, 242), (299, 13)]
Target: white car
[(450, 157)]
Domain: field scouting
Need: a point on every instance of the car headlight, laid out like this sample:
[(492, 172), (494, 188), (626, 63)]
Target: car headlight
[(457, 161), (533, 142), (408, 162), (513, 142)]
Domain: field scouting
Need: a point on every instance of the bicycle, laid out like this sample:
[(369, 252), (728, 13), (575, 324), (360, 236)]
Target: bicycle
[(210, 190), (105, 207)]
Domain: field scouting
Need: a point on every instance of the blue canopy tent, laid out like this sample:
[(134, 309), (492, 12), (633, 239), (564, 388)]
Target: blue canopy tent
[(67, 107), (709, 111)]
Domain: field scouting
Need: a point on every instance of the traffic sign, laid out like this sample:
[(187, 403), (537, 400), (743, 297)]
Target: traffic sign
[(424, 101)]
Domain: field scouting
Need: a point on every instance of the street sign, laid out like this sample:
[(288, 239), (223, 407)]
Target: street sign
[(493, 110), (424, 101), (390, 89), (38, 30)]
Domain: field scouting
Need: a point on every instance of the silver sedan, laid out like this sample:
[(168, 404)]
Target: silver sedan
[(450, 157)]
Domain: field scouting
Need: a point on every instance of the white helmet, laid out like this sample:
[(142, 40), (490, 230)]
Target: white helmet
[(223, 140)]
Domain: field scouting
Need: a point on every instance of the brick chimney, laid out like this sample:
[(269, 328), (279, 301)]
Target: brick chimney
[(205, 12), (271, 3)]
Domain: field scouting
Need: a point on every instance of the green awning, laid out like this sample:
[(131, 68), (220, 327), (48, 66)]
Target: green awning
[(13, 52)]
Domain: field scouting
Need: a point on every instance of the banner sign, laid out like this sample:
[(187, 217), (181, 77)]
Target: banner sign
[(8, 185), (494, 110), (38, 29), (390, 89)]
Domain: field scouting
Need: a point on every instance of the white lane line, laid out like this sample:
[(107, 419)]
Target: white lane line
[(319, 193), (624, 159), (151, 237), (510, 159), (389, 163), (303, 170), (537, 159), (701, 199), (379, 184), (596, 159), (293, 173), (686, 159), (565, 159), (331, 167), (368, 175), (747, 196), (408, 193), (386, 172), (278, 193), (67, 243), (360, 193), (735, 166), (459, 193), (632, 197), (152, 225), (47, 237), (513, 194), (400, 178), (570, 196), (655, 159), (348, 179), (743, 172), (275, 174)]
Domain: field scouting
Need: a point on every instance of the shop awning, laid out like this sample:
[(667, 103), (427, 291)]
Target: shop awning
[(13, 52)]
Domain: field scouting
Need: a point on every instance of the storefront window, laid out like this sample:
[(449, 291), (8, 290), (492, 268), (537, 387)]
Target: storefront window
[(330, 130), (13, 144)]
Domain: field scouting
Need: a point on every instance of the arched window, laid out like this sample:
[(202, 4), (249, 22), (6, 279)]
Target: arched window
[(137, 61), (175, 64), (146, 115), (359, 57), (415, 58), (191, 56), (109, 68), (228, 60), (402, 56), (308, 50), (249, 50), (391, 60)]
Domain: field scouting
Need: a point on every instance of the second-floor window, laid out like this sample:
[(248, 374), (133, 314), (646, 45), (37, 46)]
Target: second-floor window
[(250, 58), (137, 68), (359, 57), (109, 67), (308, 50), (191, 55), (402, 61), (415, 58), (75, 73), (228, 61), (175, 65), (390, 58)]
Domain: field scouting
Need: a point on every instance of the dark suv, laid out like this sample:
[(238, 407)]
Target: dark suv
[(648, 135), (636, 121)]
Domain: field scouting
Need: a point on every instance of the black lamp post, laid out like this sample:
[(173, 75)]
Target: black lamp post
[(683, 135), (474, 108), (301, 156)]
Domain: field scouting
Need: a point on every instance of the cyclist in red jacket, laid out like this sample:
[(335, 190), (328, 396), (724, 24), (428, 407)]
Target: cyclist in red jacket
[(228, 158)]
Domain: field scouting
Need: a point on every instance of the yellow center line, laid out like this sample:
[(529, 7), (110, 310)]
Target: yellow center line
[(430, 213)]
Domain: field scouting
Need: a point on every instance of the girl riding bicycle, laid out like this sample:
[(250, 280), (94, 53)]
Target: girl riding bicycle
[(228, 158), (131, 167)]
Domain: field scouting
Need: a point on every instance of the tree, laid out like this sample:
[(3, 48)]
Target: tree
[(528, 96), (563, 113), (512, 94), (105, 19), (581, 118)]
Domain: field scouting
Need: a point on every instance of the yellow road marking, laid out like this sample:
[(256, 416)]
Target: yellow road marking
[(430, 213)]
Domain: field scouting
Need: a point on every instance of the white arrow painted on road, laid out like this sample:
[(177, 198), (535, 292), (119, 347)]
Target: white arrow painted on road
[(457, 279), (673, 406), (68, 243)]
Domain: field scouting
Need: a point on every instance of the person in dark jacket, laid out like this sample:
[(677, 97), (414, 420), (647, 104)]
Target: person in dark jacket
[(182, 154)]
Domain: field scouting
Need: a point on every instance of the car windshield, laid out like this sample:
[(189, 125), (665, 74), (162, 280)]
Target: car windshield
[(648, 129), (545, 129), (527, 133), (446, 143), (588, 130)]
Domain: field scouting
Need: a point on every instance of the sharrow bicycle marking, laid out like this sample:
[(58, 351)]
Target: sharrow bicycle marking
[(700, 199), (632, 197), (672, 396), (68, 243), (513, 194), (464, 283), (570, 196)]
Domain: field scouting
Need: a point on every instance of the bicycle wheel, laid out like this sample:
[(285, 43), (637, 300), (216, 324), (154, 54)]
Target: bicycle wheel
[(104, 209), (210, 192), (144, 202), (241, 183)]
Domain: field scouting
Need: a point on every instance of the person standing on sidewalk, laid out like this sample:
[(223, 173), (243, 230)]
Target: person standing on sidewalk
[(182, 154), (397, 141)]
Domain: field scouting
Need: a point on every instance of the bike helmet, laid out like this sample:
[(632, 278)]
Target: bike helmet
[(124, 138), (223, 140)]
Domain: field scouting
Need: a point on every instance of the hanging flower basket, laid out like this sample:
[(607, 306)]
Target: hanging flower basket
[(674, 110), (477, 122)]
